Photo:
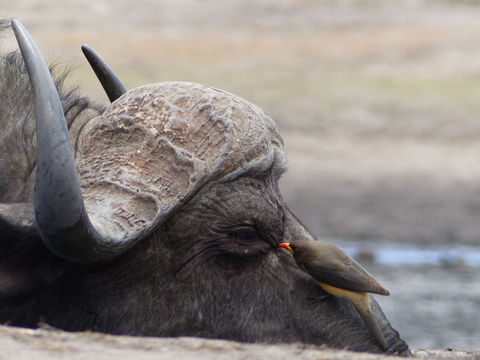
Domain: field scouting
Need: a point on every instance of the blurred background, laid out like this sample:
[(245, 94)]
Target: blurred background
[(378, 103)]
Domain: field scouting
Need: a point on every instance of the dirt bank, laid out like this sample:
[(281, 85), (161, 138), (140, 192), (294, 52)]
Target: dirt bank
[(22, 344)]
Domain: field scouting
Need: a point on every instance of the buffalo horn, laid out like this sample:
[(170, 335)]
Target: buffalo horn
[(60, 212), (110, 82)]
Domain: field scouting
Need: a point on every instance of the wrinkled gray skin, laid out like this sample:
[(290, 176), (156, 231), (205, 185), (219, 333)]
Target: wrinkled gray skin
[(211, 269)]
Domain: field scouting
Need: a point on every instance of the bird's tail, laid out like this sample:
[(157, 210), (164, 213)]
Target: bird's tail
[(369, 319)]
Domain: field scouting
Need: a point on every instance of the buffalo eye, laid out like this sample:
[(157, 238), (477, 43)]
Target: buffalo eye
[(243, 240), (245, 234)]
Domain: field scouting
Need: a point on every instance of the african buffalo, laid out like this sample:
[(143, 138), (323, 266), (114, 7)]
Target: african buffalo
[(156, 215)]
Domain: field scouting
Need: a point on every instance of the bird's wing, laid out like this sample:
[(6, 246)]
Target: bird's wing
[(348, 275)]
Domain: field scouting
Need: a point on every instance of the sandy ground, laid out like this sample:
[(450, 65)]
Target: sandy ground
[(22, 344), (378, 102)]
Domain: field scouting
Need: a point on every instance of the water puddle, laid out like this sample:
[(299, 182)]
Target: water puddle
[(411, 254)]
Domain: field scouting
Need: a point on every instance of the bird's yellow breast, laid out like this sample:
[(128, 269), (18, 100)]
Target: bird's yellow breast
[(360, 299)]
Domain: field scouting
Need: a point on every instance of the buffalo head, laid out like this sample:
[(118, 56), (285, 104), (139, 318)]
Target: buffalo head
[(158, 215)]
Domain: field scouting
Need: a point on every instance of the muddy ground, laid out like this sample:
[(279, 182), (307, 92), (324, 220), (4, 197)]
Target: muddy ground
[(433, 307), (378, 103)]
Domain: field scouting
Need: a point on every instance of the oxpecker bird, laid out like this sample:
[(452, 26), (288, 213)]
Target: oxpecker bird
[(339, 275)]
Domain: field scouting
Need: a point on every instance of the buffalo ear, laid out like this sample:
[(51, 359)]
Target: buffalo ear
[(26, 264)]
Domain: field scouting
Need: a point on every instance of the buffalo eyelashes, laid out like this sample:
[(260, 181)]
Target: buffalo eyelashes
[(245, 234), (245, 241), (242, 240)]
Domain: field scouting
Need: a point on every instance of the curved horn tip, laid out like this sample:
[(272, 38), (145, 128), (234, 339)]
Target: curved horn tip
[(18, 27), (87, 49), (110, 82), (16, 23)]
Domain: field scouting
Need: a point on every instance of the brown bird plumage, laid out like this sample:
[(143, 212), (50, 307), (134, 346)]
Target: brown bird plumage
[(339, 275), (328, 263)]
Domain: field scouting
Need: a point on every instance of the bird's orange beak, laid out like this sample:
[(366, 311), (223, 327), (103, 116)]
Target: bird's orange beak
[(286, 246)]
